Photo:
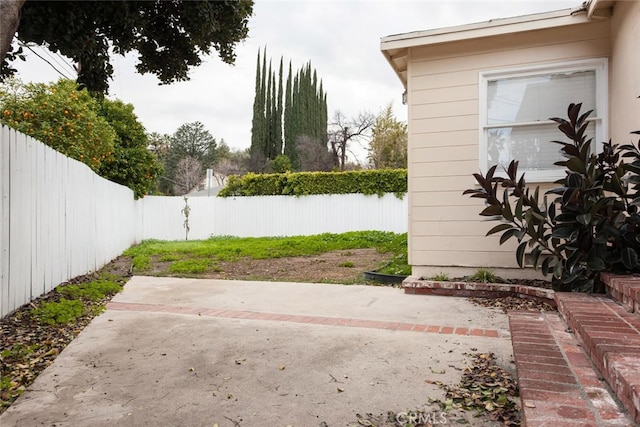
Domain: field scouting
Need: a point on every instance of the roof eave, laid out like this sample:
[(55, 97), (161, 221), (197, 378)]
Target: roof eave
[(395, 48), (486, 29)]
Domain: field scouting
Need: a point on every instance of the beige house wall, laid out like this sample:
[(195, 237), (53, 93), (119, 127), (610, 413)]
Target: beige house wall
[(446, 234), (625, 72)]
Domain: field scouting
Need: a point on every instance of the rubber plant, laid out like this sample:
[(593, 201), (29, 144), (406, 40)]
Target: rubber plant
[(586, 225)]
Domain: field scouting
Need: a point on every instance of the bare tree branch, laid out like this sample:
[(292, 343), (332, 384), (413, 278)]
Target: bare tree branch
[(345, 130)]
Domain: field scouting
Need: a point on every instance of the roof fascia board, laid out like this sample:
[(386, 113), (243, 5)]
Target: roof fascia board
[(484, 29)]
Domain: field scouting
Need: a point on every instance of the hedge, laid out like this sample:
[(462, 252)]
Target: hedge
[(378, 181)]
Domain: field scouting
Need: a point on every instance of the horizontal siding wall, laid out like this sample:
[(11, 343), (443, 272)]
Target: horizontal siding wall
[(59, 220), (625, 72), (444, 227)]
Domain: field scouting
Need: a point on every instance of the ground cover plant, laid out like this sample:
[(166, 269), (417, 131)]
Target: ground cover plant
[(32, 337)]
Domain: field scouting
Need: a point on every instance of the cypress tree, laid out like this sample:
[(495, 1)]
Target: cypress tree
[(268, 117), (288, 114), (279, 112), (280, 119), (258, 112)]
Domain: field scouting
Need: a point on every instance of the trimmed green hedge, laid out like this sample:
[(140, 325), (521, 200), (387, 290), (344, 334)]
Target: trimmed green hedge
[(378, 181)]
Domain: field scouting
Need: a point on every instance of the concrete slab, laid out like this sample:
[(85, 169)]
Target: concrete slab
[(137, 367)]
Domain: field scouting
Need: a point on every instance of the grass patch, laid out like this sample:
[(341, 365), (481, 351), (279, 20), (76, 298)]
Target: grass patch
[(399, 264), (170, 258), (346, 264), (190, 266), (233, 248), (141, 262)]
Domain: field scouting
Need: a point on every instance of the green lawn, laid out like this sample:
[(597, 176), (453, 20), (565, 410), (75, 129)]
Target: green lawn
[(201, 255)]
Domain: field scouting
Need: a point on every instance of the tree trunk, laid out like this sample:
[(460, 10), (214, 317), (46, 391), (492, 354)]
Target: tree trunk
[(9, 20)]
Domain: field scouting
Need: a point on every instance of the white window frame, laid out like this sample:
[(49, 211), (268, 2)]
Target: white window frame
[(599, 65)]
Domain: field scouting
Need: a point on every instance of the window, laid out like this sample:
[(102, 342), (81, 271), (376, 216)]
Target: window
[(515, 107)]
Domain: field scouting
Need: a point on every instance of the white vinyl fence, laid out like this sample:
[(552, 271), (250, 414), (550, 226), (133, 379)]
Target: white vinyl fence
[(59, 220), (162, 217)]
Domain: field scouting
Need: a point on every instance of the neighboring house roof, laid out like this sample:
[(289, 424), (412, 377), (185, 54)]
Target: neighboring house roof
[(395, 48)]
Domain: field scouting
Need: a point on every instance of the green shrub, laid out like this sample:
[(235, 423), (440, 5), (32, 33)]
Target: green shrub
[(591, 226), (367, 182)]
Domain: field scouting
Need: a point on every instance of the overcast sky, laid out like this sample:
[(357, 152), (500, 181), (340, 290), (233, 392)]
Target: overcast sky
[(341, 39)]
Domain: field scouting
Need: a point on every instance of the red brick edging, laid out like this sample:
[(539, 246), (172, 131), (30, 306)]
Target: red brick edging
[(414, 285), (312, 320)]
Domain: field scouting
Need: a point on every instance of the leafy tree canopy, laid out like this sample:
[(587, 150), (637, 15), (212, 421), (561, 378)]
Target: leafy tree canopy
[(388, 147), (169, 36), (106, 135), (190, 140), (60, 116), (130, 163)]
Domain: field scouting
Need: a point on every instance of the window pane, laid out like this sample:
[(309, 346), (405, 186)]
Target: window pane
[(530, 145), (535, 98)]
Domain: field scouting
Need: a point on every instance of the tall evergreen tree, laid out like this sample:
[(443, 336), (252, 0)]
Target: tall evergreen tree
[(258, 115), (279, 112), (281, 119)]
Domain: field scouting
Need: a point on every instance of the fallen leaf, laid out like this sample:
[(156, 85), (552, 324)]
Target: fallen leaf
[(529, 405)]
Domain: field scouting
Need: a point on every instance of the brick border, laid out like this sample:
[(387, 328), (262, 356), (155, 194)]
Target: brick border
[(417, 286), (557, 381), (611, 337), (624, 289), (311, 320)]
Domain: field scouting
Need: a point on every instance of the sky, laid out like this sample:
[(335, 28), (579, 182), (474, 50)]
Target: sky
[(341, 39)]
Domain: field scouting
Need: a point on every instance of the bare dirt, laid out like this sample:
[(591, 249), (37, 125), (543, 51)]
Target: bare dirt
[(345, 266)]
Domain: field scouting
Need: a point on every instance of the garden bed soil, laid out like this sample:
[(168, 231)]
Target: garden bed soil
[(344, 266)]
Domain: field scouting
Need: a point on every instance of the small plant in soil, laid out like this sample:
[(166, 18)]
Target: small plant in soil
[(59, 312), (485, 275), (440, 277)]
